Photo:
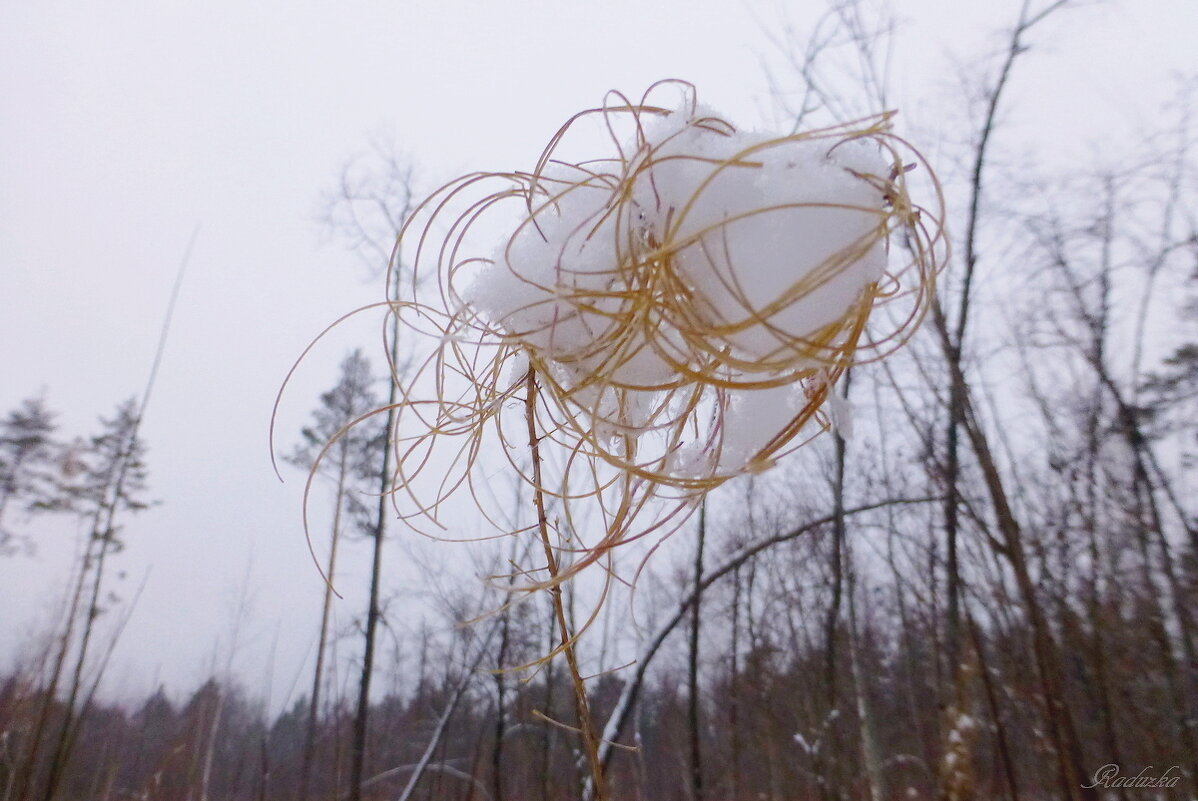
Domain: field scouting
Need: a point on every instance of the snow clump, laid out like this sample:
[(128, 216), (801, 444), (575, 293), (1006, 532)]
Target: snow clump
[(703, 283)]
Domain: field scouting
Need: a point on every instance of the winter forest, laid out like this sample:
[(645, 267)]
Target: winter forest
[(946, 548)]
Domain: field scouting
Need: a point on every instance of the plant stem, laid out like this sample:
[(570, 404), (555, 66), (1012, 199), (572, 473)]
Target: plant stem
[(586, 726)]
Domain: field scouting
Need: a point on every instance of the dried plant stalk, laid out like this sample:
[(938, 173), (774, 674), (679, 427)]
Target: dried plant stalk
[(637, 362)]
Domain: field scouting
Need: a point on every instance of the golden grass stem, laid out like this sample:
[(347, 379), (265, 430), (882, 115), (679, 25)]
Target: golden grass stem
[(586, 724)]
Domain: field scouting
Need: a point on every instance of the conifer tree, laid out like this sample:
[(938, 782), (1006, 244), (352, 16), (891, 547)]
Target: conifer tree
[(97, 480), (348, 455), (27, 451)]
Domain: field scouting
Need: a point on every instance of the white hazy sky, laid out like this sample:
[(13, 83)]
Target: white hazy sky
[(123, 127)]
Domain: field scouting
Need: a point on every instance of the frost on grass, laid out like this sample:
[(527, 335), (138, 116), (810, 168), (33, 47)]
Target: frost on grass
[(680, 299)]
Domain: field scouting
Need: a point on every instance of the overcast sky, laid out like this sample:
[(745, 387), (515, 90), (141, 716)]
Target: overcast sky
[(125, 128)]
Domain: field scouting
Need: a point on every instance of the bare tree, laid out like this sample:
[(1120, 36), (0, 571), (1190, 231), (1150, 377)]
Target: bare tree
[(373, 200)]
